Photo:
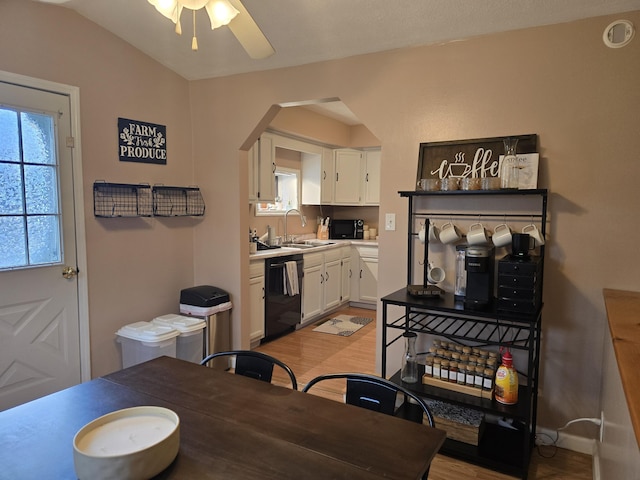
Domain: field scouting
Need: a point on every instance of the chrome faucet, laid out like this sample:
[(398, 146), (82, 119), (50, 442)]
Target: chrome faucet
[(303, 220)]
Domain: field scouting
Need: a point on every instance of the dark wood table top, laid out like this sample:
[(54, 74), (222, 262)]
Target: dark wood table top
[(231, 427)]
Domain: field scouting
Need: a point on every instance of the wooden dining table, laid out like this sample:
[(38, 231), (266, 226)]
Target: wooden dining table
[(231, 427)]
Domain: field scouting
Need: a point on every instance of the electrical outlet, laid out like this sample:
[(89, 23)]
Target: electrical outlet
[(390, 221)]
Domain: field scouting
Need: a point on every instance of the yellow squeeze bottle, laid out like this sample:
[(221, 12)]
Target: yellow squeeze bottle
[(506, 384)]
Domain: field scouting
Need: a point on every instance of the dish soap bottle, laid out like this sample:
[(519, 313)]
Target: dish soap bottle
[(409, 372), (506, 384)]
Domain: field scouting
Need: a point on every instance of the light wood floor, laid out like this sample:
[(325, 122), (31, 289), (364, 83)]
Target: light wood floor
[(311, 353)]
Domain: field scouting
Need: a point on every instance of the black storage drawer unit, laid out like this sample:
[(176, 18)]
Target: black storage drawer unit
[(520, 284), (514, 281)]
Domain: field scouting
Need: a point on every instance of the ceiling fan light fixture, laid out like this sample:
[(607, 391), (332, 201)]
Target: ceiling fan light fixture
[(169, 8), (221, 12)]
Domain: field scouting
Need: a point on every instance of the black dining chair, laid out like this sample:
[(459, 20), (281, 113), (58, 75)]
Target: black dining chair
[(254, 364), (380, 395)]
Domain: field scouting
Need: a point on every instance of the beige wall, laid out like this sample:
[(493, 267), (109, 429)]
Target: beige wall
[(560, 82), (136, 266)]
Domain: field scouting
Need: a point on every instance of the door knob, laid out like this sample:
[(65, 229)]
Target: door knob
[(69, 272)]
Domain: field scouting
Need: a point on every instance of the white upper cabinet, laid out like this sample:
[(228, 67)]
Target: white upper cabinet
[(371, 178), (341, 176), (328, 175), (262, 170), (348, 175), (267, 169), (254, 183)]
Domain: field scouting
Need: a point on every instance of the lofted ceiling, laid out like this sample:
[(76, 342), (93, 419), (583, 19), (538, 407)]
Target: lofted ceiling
[(308, 31)]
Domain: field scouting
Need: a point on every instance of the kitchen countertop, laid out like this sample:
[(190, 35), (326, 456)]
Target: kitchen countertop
[(282, 251), (623, 312)]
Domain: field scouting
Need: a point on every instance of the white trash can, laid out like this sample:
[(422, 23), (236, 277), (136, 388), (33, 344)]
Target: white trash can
[(189, 344), (143, 341), (214, 306)]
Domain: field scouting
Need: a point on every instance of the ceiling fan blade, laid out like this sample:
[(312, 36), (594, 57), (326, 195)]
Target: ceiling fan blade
[(249, 34)]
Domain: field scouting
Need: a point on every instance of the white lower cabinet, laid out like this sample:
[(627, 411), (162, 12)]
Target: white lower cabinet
[(312, 285), (346, 272), (256, 304), (322, 283), (364, 281)]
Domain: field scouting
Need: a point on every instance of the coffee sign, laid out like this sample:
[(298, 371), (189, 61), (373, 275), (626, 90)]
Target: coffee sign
[(142, 142), (475, 158)]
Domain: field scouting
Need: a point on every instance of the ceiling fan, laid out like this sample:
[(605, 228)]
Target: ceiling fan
[(221, 12)]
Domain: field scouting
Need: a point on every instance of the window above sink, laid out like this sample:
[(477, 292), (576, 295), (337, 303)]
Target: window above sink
[(287, 193)]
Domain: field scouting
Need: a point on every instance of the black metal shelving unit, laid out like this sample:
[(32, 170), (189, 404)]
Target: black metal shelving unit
[(498, 448)]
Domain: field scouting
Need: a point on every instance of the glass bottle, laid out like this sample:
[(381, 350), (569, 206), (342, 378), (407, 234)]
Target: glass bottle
[(462, 373), (444, 370), (409, 361), (436, 367), (469, 379), (453, 372), (428, 366), (509, 168), (487, 384), (461, 273)]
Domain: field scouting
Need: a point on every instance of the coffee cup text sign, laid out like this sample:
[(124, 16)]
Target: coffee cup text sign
[(481, 166)]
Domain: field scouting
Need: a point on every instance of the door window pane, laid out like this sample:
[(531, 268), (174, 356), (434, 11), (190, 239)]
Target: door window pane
[(38, 139), (10, 189), (9, 140), (44, 239), (13, 248), (30, 220), (41, 189)]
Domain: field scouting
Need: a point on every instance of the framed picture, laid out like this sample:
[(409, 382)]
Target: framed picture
[(478, 157), (527, 170)]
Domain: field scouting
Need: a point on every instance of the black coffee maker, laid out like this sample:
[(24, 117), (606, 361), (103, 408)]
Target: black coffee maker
[(479, 264)]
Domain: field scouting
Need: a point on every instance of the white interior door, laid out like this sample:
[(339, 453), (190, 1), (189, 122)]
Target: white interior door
[(39, 309)]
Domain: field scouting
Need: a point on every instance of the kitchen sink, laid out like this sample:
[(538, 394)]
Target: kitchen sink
[(308, 244), (299, 245)]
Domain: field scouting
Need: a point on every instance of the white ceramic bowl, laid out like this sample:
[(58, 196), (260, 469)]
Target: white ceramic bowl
[(134, 443)]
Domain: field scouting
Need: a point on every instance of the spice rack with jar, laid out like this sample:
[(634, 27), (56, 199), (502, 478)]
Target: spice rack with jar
[(446, 318)]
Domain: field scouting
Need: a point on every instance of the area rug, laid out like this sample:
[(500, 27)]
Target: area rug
[(343, 325)]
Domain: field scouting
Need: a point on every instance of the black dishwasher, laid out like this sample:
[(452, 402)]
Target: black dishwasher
[(282, 308)]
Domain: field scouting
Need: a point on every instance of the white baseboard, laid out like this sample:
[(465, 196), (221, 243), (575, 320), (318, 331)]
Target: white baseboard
[(569, 442)]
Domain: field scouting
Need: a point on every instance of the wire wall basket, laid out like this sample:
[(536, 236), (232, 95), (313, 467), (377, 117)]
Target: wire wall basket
[(122, 200), (177, 201)]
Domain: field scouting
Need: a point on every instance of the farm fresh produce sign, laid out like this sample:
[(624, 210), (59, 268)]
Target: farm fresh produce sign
[(142, 142)]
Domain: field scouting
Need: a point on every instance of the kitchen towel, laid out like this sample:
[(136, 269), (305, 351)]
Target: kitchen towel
[(291, 286)]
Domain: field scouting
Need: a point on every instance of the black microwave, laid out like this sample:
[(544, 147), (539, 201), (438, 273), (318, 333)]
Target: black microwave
[(346, 229)]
